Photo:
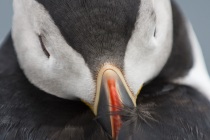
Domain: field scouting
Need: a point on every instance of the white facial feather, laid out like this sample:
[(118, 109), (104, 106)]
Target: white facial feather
[(65, 73), (198, 76), (146, 55)]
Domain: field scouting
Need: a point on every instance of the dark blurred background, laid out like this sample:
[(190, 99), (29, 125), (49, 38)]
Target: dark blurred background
[(198, 11)]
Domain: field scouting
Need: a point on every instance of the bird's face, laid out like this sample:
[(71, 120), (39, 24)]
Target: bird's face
[(89, 49)]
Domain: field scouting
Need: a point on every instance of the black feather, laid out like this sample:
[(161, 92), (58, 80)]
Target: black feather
[(178, 113), (97, 29)]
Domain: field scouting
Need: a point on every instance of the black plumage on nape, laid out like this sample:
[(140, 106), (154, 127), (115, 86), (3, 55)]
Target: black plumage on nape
[(99, 30)]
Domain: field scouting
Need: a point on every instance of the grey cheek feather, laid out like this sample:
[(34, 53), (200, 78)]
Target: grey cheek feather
[(64, 73), (146, 55)]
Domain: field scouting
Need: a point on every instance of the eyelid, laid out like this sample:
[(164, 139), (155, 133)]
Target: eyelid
[(43, 46)]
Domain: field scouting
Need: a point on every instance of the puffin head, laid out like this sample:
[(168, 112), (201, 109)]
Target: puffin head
[(100, 52)]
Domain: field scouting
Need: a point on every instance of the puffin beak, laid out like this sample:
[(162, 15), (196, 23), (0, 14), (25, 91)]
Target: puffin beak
[(112, 96)]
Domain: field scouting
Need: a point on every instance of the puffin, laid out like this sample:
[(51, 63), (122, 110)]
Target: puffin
[(102, 70)]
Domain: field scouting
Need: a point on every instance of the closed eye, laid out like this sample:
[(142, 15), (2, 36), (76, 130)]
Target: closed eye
[(155, 31), (43, 46)]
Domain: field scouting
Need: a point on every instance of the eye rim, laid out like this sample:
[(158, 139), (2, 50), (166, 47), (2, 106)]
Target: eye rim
[(46, 52)]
